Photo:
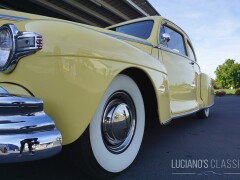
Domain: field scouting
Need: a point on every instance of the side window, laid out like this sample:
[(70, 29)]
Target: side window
[(191, 53), (141, 29), (176, 42)]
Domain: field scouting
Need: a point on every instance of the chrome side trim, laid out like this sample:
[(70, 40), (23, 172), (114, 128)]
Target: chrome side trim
[(186, 114), (163, 48), (26, 132), (130, 39), (13, 18), (181, 115)]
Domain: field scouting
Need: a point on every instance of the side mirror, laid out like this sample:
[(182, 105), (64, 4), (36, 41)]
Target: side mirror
[(165, 37)]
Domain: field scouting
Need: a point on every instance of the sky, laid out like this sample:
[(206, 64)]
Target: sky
[(212, 25)]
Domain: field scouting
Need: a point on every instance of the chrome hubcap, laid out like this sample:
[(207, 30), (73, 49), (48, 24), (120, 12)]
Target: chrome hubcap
[(118, 122)]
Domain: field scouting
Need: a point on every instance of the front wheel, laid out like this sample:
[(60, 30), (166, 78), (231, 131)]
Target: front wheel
[(112, 141)]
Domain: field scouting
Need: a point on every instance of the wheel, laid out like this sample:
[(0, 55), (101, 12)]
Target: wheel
[(203, 114), (112, 140)]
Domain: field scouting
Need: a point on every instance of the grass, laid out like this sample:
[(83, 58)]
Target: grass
[(228, 91)]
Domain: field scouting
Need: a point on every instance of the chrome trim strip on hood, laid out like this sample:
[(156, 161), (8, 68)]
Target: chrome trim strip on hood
[(13, 18)]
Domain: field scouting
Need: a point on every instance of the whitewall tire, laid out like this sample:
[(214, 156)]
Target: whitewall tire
[(112, 141), (117, 162)]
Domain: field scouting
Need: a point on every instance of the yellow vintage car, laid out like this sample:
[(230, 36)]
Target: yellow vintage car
[(98, 86)]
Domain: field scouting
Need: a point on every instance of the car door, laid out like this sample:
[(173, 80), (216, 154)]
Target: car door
[(180, 69)]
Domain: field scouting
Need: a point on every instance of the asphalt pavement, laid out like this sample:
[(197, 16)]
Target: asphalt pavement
[(187, 148)]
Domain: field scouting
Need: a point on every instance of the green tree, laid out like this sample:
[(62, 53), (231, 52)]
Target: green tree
[(228, 74)]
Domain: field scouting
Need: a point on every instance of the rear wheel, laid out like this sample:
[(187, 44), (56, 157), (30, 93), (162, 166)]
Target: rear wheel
[(112, 141), (203, 114)]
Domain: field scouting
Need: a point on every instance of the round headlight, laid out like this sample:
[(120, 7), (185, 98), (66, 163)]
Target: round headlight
[(6, 46), (15, 44)]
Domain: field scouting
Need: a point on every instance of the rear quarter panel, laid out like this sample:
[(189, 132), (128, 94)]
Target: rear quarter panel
[(207, 91)]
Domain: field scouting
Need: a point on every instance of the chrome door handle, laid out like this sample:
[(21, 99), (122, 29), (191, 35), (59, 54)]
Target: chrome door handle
[(192, 63)]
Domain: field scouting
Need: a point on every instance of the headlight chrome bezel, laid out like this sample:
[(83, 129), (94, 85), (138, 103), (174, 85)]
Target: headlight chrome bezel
[(23, 44), (10, 31)]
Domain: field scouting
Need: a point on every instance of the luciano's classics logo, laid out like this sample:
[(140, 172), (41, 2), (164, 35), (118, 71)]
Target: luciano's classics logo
[(206, 166)]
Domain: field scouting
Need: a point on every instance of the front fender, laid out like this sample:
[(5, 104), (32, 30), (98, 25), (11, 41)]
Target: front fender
[(73, 70)]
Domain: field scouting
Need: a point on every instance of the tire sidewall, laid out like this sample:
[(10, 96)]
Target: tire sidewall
[(110, 162)]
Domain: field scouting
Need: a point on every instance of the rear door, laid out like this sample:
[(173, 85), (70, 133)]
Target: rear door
[(180, 69)]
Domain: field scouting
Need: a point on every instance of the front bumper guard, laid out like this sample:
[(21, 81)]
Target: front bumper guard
[(26, 132)]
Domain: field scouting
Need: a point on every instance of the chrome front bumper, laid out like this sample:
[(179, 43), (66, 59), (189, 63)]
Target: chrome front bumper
[(26, 132)]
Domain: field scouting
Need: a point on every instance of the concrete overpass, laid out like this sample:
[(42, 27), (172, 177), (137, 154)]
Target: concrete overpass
[(99, 13)]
